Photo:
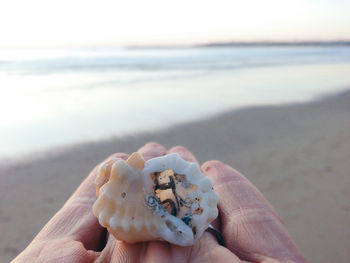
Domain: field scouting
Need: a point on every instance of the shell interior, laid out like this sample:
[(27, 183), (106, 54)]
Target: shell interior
[(173, 192)]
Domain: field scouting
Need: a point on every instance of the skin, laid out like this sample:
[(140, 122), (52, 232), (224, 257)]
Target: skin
[(251, 228)]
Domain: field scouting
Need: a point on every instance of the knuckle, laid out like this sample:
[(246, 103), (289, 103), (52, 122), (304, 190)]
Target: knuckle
[(212, 164), (152, 144), (118, 155), (179, 148)]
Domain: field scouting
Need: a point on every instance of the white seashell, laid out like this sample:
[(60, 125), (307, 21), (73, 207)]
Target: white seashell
[(164, 198)]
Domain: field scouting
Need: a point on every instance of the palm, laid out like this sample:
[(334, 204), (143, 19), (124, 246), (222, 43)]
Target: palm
[(251, 228), (206, 250)]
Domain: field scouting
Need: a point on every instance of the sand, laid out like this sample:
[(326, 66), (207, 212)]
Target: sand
[(297, 155)]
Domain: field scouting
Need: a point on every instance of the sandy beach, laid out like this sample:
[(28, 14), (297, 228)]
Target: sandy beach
[(297, 155)]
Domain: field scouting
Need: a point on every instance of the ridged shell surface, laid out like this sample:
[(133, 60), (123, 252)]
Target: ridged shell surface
[(164, 198)]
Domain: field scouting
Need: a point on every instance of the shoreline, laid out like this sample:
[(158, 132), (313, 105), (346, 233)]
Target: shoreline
[(54, 151), (296, 154)]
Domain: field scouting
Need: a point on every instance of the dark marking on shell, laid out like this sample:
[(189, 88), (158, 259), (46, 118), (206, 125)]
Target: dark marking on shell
[(170, 205), (186, 219)]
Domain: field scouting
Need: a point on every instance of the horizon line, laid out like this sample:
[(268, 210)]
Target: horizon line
[(252, 43), (248, 43)]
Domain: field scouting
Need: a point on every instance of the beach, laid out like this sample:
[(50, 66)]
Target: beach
[(59, 97), (296, 154)]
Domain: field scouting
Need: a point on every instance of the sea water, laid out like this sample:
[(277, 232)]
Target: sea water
[(54, 97)]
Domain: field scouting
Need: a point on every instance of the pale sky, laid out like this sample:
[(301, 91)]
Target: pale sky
[(151, 22)]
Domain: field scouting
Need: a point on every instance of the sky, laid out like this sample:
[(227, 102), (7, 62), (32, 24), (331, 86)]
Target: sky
[(161, 22)]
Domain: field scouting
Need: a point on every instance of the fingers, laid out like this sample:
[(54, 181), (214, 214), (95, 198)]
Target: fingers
[(75, 218), (151, 150), (108, 251), (250, 226), (184, 153), (208, 250)]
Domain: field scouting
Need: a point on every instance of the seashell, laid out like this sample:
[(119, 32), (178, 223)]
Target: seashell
[(164, 198)]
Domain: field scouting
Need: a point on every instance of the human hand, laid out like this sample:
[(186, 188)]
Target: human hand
[(250, 227)]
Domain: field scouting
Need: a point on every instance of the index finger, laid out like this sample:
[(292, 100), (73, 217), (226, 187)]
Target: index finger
[(250, 226)]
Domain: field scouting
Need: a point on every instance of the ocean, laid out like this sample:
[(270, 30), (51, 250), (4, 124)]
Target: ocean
[(57, 97)]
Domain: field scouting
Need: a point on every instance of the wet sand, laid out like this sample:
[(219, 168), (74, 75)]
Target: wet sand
[(297, 155)]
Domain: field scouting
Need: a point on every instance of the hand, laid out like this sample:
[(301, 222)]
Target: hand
[(251, 229)]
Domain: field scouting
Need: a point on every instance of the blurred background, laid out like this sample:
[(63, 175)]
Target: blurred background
[(260, 85)]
